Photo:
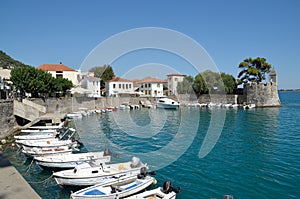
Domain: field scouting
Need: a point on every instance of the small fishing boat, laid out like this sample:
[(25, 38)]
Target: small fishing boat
[(51, 142), (38, 130), (167, 103), (68, 161), (119, 189), (61, 125), (165, 192), (90, 174), (48, 143), (36, 136), (249, 106), (37, 151)]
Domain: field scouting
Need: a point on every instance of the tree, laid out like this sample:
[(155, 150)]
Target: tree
[(186, 86), (253, 70), (229, 83), (199, 85), (31, 80), (105, 72)]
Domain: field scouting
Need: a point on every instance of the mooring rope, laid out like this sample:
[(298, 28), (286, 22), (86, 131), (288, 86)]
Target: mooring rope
[(29, 167), (41, 181)]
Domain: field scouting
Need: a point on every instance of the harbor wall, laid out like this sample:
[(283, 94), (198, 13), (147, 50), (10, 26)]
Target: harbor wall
[(7, 118), (261, 94)]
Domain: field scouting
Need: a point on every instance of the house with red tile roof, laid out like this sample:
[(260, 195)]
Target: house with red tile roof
[(118, 86), (173, 80), (152, 87), (62, 71)]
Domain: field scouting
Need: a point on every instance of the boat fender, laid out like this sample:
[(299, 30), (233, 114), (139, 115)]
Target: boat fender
[(48, 142), (154, 181), (121, 166)]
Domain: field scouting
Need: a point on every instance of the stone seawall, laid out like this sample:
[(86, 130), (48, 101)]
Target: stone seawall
[(73, 104), (7, 118)]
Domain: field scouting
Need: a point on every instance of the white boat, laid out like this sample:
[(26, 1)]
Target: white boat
[(38, 131), (47, 143), (77, 115), (90, 174), (37, 151), (119, 189), (167, 103), (249, 106), (68, 161), (51, 142), (48, 127), (36, 136)]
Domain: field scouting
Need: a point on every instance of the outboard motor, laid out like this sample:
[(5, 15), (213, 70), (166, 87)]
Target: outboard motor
[(143, 173), (106, 152), (167, 187), (135, 162)]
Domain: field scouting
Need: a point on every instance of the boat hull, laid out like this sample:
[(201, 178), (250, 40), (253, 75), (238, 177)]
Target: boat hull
[(70, 161), (89, 181)]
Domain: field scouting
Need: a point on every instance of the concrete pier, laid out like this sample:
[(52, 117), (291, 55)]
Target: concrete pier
[(12, 183)]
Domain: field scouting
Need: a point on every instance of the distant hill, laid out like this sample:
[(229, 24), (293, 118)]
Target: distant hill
[(7, 62)]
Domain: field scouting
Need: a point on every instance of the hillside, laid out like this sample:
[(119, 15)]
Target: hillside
[(7, 62)]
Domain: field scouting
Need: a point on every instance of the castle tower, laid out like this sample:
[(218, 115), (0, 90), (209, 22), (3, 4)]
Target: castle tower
[(273, 76)]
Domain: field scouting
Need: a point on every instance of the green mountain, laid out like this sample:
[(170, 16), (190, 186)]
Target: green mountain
[(7, 62)]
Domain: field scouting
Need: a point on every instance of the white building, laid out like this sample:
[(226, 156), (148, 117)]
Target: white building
[(152, 87), (92, 84), (118, 86), (173, 80), (62, 71)]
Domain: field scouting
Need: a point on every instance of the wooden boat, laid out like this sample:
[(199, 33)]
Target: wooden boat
[(119, 189), (165, 192), (37, 151), (90, 174), (68, 161)]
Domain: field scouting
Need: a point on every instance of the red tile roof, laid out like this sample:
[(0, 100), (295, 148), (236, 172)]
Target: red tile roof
[(119, 79), (176, 75), (152, 80), (55, 67)]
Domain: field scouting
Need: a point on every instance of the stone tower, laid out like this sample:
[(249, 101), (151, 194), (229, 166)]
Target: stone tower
[(273, 76), (262, 94)]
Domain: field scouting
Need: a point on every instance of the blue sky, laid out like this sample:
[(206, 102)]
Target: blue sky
[(38, 32)]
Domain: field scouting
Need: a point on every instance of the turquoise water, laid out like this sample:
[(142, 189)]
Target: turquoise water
[(256, 154)]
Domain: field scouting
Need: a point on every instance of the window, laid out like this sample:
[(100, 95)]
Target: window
[(126, 86), (123, 86), (114, 85), (129, 85), (120, 86), (175, 79), (158, 85)]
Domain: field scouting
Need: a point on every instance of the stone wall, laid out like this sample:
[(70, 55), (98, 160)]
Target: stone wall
[(73, 104), (263, 95), (7, 118)]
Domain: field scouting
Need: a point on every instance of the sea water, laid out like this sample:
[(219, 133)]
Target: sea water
[(207, 152)]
